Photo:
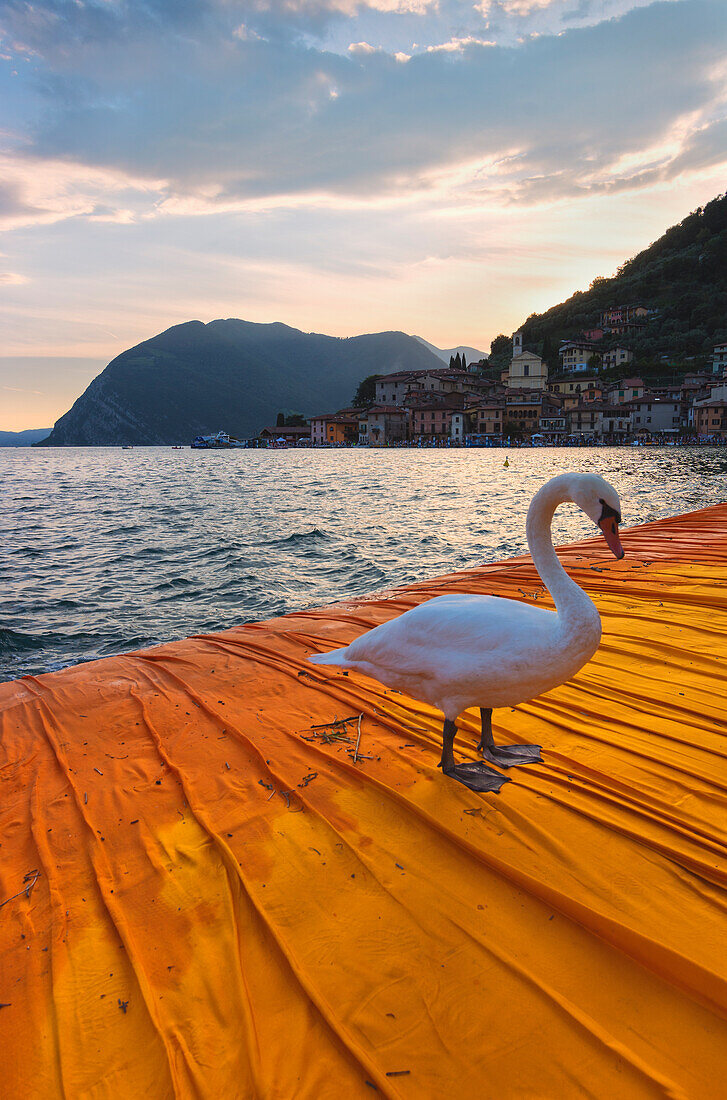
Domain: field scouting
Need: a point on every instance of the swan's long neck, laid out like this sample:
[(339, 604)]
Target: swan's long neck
[(570, 599)]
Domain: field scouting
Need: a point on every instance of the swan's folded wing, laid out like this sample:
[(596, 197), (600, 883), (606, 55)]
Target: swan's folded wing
[(449, 626)]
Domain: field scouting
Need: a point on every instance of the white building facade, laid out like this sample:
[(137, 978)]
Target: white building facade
[(527, 370)]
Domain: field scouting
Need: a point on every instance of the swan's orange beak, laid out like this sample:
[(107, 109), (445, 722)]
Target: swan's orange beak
[(609, 528)]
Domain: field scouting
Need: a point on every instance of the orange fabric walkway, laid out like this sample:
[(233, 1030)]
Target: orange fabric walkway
[(203, 896)]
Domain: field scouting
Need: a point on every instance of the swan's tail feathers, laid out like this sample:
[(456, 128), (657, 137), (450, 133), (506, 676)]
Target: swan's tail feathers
[(335, 657)]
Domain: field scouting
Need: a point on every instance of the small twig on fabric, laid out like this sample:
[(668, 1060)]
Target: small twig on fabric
[(335, 722), (29, 882), (358, 740), (286, 795), (331, 731)]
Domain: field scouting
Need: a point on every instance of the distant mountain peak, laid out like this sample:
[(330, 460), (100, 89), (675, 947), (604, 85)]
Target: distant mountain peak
[(472, 355), (196, 378), (23, 439)]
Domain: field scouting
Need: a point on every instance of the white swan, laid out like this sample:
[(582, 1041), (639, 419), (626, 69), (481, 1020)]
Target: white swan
[(456, 652)]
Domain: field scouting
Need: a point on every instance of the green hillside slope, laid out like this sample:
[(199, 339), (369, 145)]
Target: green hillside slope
[(683, 276)]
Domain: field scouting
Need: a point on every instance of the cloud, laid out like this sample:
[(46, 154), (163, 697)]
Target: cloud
[(314, 8), (702, 149), (245, 33), (687, 149), (155, 109), (71, 190), (459, 44), (14, 203), (553, 16), (57, 27), (11, 278), (514, 7)]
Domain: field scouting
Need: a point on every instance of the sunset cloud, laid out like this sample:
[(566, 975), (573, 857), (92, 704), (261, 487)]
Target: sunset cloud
[(229, 117)]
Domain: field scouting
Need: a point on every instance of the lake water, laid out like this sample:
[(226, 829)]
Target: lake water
[(105, 550)]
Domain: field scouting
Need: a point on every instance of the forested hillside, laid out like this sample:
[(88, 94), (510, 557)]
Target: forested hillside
[(683, 276)]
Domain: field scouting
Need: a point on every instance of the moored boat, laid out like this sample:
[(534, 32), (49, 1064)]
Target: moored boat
[(219, 441)]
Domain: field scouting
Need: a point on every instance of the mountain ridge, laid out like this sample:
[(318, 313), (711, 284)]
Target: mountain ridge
[(195, 378), (473, 355), (26, 438)]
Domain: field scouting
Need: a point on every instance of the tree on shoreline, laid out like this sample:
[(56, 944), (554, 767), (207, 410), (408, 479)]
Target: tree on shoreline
[(365, 395), (512, 429)]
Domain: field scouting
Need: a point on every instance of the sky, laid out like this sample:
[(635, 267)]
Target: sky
[(441, 167)]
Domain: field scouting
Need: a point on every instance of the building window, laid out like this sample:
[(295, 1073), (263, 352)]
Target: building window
[(526, 370)]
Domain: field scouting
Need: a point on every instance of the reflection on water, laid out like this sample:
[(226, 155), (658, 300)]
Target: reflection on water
[(107, 550)]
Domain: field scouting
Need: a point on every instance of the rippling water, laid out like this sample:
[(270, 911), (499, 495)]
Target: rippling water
[(108, 550)]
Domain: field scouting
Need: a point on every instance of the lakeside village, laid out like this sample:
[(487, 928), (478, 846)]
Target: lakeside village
[(523, 406)]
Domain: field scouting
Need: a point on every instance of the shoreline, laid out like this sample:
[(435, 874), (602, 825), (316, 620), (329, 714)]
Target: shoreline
[(443, 444)]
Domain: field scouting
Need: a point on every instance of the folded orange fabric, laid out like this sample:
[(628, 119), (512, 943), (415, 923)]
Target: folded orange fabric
[(203, 893)]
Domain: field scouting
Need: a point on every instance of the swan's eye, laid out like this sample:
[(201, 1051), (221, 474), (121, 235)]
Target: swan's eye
[(608, 511)]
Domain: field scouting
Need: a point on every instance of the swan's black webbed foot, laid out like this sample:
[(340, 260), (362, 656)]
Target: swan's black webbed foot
[(507, 756), (476, 776), (504, 756)]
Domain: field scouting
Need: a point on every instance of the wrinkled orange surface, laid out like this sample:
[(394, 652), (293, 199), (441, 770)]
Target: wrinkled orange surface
[(173, 923)]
